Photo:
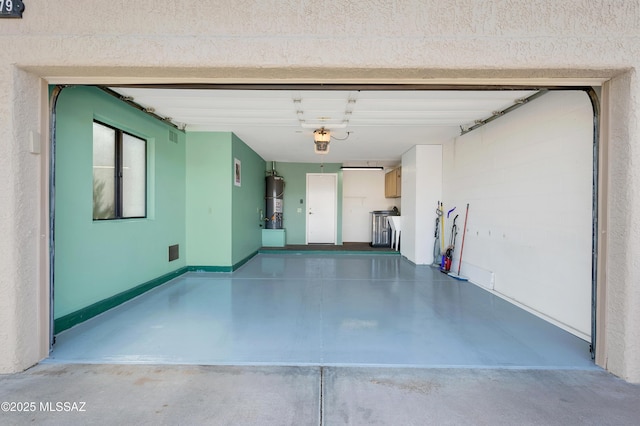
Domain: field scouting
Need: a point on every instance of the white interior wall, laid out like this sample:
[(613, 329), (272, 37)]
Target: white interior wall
[(528, 179), (422, 190), (362, 193)]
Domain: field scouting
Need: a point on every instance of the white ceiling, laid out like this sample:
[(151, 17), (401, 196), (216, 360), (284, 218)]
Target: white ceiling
[(278, 124)]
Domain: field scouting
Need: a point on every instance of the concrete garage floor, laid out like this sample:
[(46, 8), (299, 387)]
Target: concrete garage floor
[(228, 395), (322, 310), (314, 339)]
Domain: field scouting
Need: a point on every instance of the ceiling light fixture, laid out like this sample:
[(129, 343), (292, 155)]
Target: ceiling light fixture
[(361, 168), (321, 139)]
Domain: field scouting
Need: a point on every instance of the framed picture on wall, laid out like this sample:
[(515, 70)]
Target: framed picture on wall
[(237, 172)]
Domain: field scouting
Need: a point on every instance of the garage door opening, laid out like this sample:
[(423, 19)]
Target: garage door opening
[(528, 176)]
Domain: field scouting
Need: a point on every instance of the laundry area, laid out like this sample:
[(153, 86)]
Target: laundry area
[(476, 207)]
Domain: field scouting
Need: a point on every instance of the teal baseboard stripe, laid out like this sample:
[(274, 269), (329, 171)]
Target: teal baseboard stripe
[(205, 268), (69, 320), (202, 268), (245, 260)]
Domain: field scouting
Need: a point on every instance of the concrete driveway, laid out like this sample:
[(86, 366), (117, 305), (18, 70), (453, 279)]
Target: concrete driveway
[(66, 394)]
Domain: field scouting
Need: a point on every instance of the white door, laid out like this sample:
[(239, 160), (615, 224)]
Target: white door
[(322, 208)]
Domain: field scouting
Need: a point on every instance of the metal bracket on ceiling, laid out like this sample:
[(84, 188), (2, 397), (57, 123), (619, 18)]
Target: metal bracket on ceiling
[(496, 114), (147, 110)]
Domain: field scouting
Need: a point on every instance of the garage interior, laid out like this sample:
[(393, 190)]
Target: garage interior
[(523, 161)]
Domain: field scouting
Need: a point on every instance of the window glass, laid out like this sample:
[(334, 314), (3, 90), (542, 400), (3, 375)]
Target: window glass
[(104, 144), (134, 177), (119, 174)]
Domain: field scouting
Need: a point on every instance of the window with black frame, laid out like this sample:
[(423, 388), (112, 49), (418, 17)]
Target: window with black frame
[(119, 174)]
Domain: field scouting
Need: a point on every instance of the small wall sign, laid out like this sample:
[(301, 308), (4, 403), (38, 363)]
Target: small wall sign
[(237, 172), (11, 8)]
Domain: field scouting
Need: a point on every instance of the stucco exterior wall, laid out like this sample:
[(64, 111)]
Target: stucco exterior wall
[(19, 221), (623, 235), (426, 41)]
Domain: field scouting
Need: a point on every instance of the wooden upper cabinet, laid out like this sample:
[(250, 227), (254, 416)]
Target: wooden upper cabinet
[(393, 183)]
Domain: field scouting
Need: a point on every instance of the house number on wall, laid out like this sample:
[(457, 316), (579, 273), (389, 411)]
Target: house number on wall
[(11, 8)]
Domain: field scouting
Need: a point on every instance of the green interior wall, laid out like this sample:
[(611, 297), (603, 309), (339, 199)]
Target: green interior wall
[(248, 203), (95, 260), (223, 220), (295, 197), (191, 201), (208, 213)]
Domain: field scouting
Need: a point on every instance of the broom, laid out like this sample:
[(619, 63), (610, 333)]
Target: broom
[(464, 232)]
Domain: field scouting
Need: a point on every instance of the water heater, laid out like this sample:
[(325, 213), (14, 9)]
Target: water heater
[(274, 198)]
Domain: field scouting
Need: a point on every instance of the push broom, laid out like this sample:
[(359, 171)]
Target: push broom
[(464, 233)]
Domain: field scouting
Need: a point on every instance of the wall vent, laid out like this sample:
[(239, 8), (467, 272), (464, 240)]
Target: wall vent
[(173, 252), (173, 136)]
